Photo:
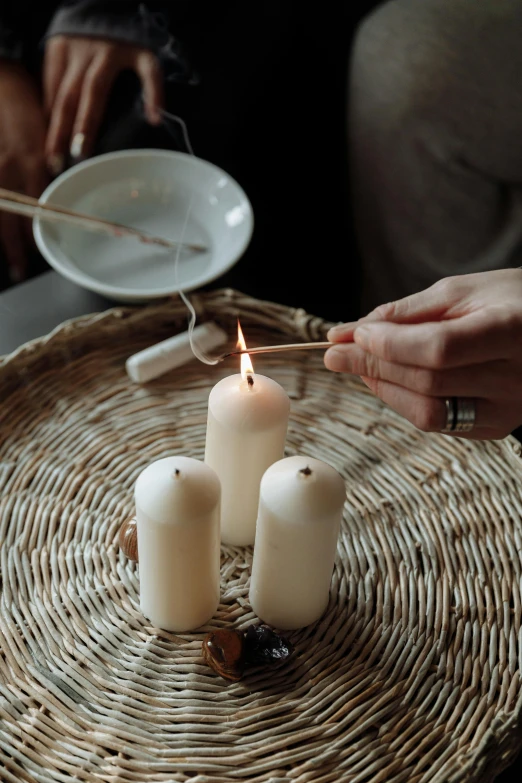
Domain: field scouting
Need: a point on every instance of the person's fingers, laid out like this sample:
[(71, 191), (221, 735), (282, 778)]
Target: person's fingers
[(475, 338), (95, 90), (447, 298), (451, 297), (432, 304), (501, 380), (149, 71), (54, 64), (53, 72), (62, 116), (12, 240), (493, 420)]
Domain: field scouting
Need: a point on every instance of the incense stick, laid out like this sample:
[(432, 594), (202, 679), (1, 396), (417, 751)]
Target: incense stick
[(278, 349), (19, 204)]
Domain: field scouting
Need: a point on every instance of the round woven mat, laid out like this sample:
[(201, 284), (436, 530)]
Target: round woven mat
[(413, 673)]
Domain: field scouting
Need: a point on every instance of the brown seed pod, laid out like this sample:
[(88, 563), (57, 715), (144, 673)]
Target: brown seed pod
[(223, 650), (128, 538)]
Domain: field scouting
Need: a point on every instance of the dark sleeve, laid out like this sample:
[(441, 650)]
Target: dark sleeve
[(140, 24), (10, 43)]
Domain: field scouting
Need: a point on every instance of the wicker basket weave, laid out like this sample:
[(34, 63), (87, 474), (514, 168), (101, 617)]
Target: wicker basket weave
[(414, 672)]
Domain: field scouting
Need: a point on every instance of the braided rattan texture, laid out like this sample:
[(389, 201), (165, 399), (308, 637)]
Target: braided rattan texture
[(413, 673)]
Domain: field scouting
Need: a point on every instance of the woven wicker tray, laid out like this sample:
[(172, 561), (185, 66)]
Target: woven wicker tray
[(413, 673)]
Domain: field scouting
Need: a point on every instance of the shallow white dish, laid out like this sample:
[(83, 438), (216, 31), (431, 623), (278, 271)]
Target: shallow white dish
[(162, 192)]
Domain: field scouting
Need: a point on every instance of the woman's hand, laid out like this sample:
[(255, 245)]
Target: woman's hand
[(460, 338), (78, 76), (22, 159)]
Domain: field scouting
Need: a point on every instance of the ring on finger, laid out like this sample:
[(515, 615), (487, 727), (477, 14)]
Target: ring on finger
[(461, 414)]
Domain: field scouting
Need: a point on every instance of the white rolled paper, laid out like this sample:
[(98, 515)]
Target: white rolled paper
[(177, 514), (171, 353), (246, 432), (300, 510)]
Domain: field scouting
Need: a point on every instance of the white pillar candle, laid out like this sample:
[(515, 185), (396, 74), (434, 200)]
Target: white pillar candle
[(246, 433), (300, 510), (177, 513)]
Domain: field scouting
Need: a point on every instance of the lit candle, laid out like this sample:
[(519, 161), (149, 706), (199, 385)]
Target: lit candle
[(177, 512), (300, 511), (246, 433)]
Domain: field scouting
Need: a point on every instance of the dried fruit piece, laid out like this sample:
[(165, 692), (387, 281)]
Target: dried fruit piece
[(265, 647), (229, 652), (128, 538), (223, 651)]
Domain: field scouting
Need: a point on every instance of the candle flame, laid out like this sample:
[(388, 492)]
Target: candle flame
[(246, 362)]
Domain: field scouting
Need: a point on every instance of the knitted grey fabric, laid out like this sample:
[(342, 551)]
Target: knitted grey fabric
[(435, 127)]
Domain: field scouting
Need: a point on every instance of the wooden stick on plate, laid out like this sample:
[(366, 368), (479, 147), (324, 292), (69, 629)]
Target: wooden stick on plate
[(19, 204)]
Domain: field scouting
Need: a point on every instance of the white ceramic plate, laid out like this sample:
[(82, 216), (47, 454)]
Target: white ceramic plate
[(151, 190)]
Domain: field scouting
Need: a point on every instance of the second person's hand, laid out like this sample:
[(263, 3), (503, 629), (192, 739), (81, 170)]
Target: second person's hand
[(22, 161), (78, 76), (461, 338)]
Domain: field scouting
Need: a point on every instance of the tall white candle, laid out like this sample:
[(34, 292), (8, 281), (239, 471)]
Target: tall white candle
[(246, 433), (177, 513), (300, 511)]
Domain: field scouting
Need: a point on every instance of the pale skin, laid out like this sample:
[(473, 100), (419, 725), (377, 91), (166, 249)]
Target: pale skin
[(462, 337), (40, 126)]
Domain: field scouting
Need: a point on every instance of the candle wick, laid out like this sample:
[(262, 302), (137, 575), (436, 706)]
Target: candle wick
[(306, 471), (176, 472), (250, 380)]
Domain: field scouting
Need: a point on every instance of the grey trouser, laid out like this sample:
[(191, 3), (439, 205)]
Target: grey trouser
[(435, 129)]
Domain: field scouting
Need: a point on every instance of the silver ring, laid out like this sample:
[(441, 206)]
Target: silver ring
[(460, 414)]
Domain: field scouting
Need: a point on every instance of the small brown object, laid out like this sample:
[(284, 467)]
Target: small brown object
[(229, 652), (223, 650), (128, 538)]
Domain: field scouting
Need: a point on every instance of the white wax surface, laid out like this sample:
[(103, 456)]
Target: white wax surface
[(296, 540), (246, 433), (178, 542), (169, 354)]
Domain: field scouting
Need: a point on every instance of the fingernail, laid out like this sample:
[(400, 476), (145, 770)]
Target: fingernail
[(15, 274), (339, 331), (77, 146), (336, 360), (362, 336), (334, 332), (56, 164)]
